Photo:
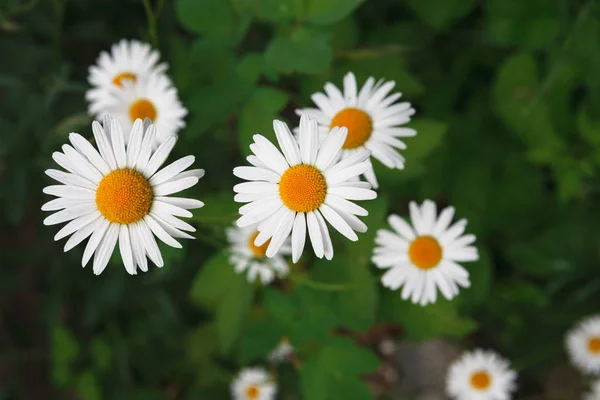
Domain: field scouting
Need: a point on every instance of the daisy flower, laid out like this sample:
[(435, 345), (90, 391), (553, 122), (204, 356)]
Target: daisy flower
[(127, 60), (245, 256), (594, 394), (118, 193), (583, 345), (480, 375), (371, 116), (283, 350), (295, 190), (253, 384), (423, 257), (152, 97)]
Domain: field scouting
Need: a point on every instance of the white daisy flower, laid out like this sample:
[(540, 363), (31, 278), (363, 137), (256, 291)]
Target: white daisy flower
[(423, 257), (119, 193), (253, 384), (583, 345), (298, 190), (480, 375), (283, 350), (245, 256), (371, 117), (594, 394), (127, 60), (152, 97)]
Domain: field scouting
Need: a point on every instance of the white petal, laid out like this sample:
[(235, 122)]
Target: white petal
[(264, 188), (339, 176), (268, 227), (159, 156), (161, 233), (170, 209), (350, 94), (401, 226), (188, 204), (150, 244), (298, 236), (351, 193), (196, 173), (171, 170), (82, 165), (76, 224), (137, 247), (105, 249), (125, 247), (443, 221), (134, 146), (314, 232), (70, 192), (92, 244), (174, 186), (256, 174), (104, 145), (118, 145), (339, 203), (281, 234), (85, 148), (146, 149), (330, 150), (61, 202), (82, 233), (327, 245), (288, 144), (71, 179), (338, 222), (323, 103), (309, 139), (174, 221)]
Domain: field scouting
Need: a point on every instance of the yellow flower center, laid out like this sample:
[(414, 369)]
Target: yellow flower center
[(481, 380), (124, 196), (425, 252), (359, 126), (594, 345), (258, 251), (252, 392), (142, 108), (302, 188), (118, 80)]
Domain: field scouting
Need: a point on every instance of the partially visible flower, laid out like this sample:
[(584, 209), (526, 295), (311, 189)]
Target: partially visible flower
[(583, 345), (119, 193), (371, 115), (253, 384), (594, 394), (153, 97), (423, 257), (283, 350), (245, 256), (295, 190), (480, 375), (128, 60)]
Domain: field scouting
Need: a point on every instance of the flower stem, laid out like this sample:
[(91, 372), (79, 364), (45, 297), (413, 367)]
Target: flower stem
[(151, 16), (328, 287)]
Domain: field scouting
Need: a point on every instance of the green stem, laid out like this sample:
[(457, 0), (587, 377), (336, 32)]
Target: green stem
[(151, 23), (328, 287)]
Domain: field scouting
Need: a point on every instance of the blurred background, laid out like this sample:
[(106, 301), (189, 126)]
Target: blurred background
[(507, 98)]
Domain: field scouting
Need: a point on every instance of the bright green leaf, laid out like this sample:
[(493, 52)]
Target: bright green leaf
[(279, 11), (328, 12), (258, 114), (210, 17), (305, 50), (231, 310), (213, 280)]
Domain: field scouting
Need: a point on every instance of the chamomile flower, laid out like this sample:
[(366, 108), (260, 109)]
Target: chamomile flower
[(245, 256), (423, 257), (118, 193), (480, 375), (297, 189), (594, 394), (152, 97), (253, 384), (283, 350), (127, 60), (583, 345), (371, 115)]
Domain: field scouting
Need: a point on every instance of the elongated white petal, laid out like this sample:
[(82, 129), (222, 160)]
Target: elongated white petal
[(126, 248), (105, 249)]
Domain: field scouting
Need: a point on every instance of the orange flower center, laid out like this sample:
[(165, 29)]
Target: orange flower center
[(594, 345), (258, 251), (425, 252), (118, 80), (481, 380), (302, 188), (359, 126), (124, 196), (142, 108), (252, 392)]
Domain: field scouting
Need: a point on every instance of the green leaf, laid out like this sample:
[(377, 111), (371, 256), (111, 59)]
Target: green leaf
[(305, 50), (87, 386), (64, 351), (201, 344), (480, 275), (441, 14), (101, 353), (440, 319), (213, 281), (220, 209), (231, 311), (261, 335), (338, 365), (209, 17), (279, 11), (258, 114), (518, 101), (328, 12)]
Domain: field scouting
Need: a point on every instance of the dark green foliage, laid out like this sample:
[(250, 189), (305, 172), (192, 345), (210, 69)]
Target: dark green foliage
[(507, 94)]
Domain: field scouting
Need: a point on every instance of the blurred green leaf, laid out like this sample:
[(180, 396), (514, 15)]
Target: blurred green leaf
[(261, 335), (87, 386), (258, 114), (231, 311), (213, 281), (329, 12), (441, 14), (305, 50), (338, 365), (209, 17), (101, 354), (279, 11), (65, 349)]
